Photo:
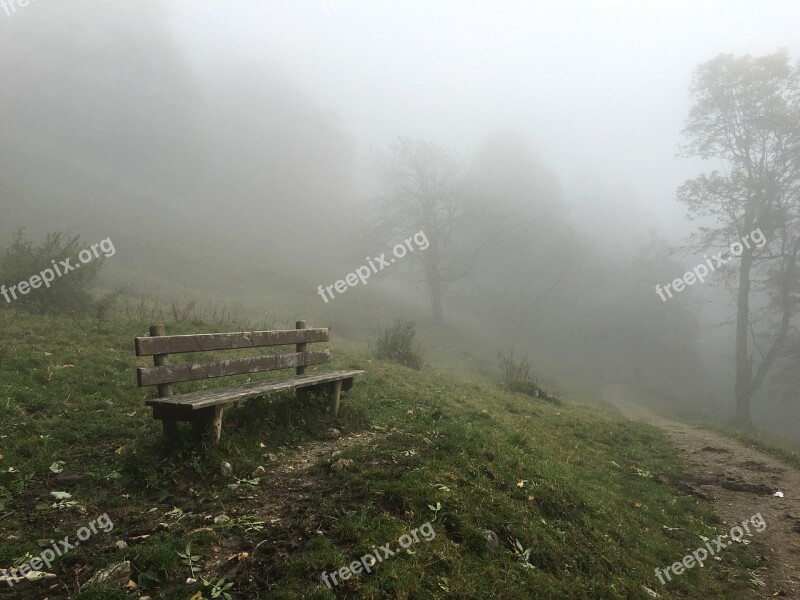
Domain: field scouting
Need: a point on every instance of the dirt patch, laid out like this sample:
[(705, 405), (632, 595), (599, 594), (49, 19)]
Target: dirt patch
[(738, 481), (290, 479), (716, 450), (283, 503)]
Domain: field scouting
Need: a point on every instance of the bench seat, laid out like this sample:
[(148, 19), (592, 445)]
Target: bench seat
[(216, 397)]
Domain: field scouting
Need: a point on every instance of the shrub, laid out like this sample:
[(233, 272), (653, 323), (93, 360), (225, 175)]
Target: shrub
[(397, 344), (68, 295), (512, 372), (515, 377)]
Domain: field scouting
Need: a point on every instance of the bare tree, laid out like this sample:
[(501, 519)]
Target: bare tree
[(424, 190)]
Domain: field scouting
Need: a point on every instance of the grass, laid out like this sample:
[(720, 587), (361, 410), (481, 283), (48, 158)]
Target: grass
[(572, 495)]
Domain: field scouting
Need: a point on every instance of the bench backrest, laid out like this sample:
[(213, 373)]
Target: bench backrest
[(163, 374)]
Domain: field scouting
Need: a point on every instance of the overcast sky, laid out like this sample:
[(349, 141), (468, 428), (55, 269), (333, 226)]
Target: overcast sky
[(598, 87)]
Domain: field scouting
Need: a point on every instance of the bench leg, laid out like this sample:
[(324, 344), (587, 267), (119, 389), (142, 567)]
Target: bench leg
[(208, 422), (169, 418), (336, 395), (170, 429), (216, 423)]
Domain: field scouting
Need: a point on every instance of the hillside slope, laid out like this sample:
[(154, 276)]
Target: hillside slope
[(580, 505)]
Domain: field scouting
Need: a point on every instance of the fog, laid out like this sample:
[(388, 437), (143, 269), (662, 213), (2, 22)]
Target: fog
[(244, 153), (599, 88)]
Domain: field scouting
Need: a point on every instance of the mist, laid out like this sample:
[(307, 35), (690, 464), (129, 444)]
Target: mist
[(248, 153)]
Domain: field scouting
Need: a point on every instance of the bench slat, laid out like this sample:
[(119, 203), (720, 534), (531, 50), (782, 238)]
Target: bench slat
[(207, 342), (206, 398), (238, 366)]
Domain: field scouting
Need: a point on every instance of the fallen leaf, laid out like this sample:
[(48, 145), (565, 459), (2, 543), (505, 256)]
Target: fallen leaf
[(521, 483), (194, 531), (33, 576), (651, 593), (240, 556)]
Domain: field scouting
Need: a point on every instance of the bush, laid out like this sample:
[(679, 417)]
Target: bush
[(66, 295), (515, 377), (397, 345)]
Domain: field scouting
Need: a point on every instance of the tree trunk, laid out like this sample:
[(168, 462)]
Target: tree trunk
[(743, 419), (435, 287), (744, 370), (433, 278)]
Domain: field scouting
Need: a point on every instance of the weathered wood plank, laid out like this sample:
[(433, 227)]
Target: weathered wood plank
[(208, 342), (206, 398), (238, 366)]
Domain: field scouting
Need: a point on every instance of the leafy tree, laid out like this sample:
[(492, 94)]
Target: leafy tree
[(746, 117), (533, 247)]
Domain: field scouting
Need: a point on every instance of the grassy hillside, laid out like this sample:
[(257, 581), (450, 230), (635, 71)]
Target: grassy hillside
[(582, 505)]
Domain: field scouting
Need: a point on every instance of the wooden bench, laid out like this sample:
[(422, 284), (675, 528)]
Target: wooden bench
[(205, 408)]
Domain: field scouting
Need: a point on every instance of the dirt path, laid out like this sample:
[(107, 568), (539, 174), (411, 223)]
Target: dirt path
[(290, 481), (739, 482), (283, 505)]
